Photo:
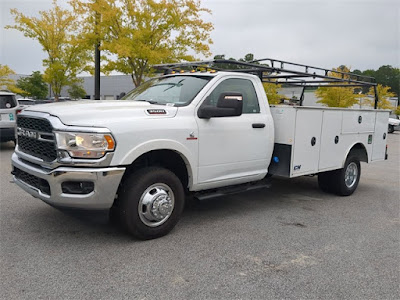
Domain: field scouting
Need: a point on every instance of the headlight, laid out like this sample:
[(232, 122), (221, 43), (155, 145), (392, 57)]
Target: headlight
[(85, 145)]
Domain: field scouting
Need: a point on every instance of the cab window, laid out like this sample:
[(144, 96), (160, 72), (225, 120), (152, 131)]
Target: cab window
[(243, 86)]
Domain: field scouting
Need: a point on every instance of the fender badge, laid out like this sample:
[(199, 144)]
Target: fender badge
[(191, 136), (156, 112)]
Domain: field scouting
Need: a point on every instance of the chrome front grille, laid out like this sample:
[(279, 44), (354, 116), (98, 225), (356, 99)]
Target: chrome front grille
[(35, 137)]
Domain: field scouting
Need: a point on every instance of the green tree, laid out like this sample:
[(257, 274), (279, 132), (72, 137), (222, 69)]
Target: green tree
[(142, 33), (76, 91), (389, 76), (337, 96), (6, 82), (386, 75), (33, 85), (57, 30)]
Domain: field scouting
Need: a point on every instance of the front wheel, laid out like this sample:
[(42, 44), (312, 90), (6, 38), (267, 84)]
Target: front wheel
[(391, 128), (151, 202)]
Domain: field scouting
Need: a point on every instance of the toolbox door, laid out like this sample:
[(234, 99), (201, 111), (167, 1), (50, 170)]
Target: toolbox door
[(307, 142), (379, 139), (333, 147)]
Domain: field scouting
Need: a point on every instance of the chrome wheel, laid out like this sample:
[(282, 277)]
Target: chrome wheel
[(351, 175), (156, 204)]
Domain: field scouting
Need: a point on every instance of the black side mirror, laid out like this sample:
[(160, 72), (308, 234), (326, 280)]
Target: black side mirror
[(229, 105)]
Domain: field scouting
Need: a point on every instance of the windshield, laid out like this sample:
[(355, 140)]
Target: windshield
[(174, 90)]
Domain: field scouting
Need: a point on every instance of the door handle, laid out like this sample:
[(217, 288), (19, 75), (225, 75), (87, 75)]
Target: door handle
[(258, 125)]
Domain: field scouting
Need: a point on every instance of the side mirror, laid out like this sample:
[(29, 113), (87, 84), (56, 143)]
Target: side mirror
[(229, 105)]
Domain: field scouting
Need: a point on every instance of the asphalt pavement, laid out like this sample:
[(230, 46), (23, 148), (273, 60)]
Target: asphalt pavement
[(291, 241)]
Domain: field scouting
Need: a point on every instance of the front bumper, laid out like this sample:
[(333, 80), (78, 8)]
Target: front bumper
[(106, 182)]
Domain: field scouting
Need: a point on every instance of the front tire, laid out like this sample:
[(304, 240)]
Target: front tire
[(151, 202), (391, 129)]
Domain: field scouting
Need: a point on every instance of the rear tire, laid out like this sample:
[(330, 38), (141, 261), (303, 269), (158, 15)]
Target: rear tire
[(391, 129), (151, 202), (345, 181), (325, 181)]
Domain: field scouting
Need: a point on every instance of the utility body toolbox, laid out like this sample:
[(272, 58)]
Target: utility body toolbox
[(310, 140)]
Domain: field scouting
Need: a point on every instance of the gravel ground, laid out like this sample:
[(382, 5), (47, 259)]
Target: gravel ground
[(291, 241)]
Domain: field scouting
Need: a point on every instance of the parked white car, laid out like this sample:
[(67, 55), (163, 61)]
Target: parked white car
[(393, 124), (9, 108)]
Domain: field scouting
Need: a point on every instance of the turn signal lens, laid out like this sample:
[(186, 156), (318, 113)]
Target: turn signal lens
[(110, 142)]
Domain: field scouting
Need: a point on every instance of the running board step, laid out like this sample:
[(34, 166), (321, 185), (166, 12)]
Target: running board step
[(204, 195)]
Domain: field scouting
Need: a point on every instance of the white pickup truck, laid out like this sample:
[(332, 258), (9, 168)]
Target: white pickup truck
[(189, 132)]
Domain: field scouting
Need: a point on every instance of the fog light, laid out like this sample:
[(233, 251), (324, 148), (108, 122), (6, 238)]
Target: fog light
[(77, 187)]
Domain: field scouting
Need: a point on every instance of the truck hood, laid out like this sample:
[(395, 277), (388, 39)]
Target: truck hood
[(102, 113)]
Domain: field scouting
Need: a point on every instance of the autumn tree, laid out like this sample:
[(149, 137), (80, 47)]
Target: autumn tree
[(33, 85), (337, 96), (271, 90), (57, 30), (142, 33), (383, 95), (7, 83)]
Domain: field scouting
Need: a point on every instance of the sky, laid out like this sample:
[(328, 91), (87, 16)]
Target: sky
[(361, 34)]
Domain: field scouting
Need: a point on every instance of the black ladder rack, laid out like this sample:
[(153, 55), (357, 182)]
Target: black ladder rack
[(280, 72)]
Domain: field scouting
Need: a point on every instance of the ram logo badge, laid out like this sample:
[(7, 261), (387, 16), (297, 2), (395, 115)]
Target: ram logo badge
[(27, 133)]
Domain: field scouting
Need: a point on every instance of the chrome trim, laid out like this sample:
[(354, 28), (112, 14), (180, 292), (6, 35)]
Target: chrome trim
[(41, 134), (105, 161), (106, 182), (38, 135), (156, 204)]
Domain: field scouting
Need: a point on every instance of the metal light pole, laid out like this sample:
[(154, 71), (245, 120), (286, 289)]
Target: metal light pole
[(97, 63), (97, 72)]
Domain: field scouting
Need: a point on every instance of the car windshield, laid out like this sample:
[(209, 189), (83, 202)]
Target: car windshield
[(7, 101), (26, 102), (171, 90)]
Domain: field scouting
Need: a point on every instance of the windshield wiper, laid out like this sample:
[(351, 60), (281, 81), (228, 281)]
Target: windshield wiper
[(178, 84), (150, 101)]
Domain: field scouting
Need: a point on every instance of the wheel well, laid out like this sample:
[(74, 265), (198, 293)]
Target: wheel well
[(359, 151), (168, 159)]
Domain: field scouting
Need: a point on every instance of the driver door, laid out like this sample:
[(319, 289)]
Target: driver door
[(233, 147)]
